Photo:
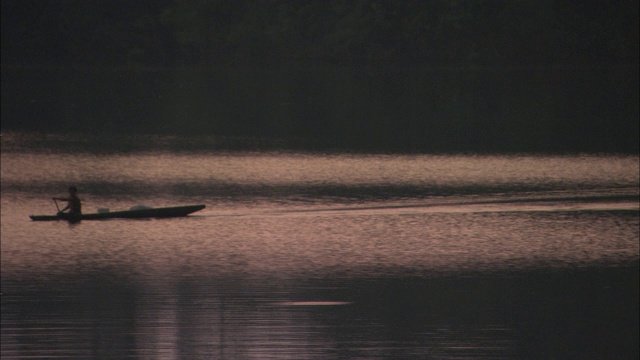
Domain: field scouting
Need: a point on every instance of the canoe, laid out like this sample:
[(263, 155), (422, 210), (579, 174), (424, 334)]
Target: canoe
[(165, 212)]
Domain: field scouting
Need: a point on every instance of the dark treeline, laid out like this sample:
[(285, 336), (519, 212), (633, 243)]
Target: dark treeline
[(481, 75), (548, 109), (204, 33)]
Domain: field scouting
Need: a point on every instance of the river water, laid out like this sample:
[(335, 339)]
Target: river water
[(308, 255)]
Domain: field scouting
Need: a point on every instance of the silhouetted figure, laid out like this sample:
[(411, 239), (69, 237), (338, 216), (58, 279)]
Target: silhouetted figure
[(74, 205)]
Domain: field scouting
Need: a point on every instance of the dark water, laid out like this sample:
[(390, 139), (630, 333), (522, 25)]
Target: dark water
[(318, 256)]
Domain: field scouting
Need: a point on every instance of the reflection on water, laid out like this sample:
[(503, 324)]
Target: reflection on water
[(458, 315), (314, 256)]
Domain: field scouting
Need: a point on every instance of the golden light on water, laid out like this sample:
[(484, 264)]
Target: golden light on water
[(311, 253), (269, 213)]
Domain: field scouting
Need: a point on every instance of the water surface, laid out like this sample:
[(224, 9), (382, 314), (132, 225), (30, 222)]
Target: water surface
[(314, 255)]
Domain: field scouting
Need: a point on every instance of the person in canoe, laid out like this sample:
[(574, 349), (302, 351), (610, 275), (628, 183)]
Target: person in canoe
[(74, 205)]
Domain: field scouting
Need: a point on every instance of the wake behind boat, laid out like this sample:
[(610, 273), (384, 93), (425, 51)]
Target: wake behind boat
[(133, 213)]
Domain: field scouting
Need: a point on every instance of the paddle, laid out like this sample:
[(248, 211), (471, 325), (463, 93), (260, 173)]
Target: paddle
[(54, 200)]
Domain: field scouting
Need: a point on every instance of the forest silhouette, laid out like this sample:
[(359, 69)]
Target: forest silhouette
[(377, 75), (204, 33)]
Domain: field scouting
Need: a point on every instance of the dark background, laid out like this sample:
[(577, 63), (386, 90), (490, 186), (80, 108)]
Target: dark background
[(446, 76)]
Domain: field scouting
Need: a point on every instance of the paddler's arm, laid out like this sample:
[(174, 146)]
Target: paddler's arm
[(64, 199)]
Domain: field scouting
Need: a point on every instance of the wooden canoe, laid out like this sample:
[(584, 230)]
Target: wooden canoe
[(165, 212)]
